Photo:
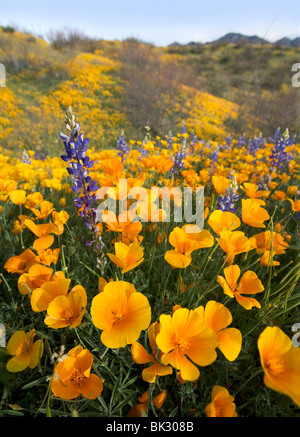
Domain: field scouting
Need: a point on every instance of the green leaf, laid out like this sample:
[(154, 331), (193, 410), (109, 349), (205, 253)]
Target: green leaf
[(34, 383)]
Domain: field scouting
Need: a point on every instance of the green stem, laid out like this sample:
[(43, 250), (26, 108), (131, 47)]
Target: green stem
[(21, 234), (6, 283), (88, 268), (208, 257), (47, 396), (64, 268)]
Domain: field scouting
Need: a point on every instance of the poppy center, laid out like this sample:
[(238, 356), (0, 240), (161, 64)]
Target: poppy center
[(22, 265), (181, 342), (77, 377), (117, 317), (68, 315), (275, 365)]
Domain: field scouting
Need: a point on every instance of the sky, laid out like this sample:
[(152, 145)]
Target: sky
[(158, 22)]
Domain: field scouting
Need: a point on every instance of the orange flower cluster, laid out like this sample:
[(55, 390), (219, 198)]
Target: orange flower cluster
[(174, 327)]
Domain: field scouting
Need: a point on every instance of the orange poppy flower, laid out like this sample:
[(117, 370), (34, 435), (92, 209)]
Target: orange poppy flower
[(41, 297), (185, 339), (33, 200), (43, 243), (158, 163), (6, 186), (111, 166), (268, 260), (138, 409), (280, 229), (269, 240), (19, 225), (42, 231), (102, 282), (292, 190), (128, 230), (121, 313), (253, 214), (62, 202), (222, 403), (48, 256), (72, 376), (249, 284), (26, 352), (20, 263), (36, 276), (272, 185), (127, 257), (185, 243), (18, 197), (141, 356), (67, 310), (284, 177), (280, 361), (45, 209), (218, 317), (267, 244), (220, 183), (59, 219), (223, 221), (253, 192), (233, 243), (295, 205), (279, 195)]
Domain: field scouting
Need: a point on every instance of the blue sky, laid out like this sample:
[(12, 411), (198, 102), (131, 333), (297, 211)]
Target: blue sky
[(159, 22)]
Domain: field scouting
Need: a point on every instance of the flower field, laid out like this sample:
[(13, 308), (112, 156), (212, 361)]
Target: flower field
[(114, 306)]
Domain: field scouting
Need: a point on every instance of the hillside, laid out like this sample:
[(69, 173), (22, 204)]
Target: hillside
[(216, 90), (257, 77)]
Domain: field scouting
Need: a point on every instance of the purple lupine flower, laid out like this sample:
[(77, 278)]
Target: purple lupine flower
[(178, 162), (214, 160), (228, 141), (241, 141), (78, 168), (255, 145), (226, 202), (263, 182), (143, 151), (279, 156), (79, 165), (193, 143), (170, 140), (122, 146)]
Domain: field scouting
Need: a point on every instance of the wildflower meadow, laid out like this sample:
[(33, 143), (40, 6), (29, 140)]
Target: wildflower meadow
[(158, 277)]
